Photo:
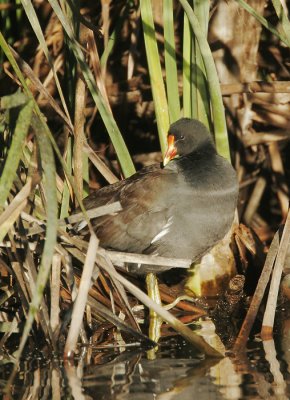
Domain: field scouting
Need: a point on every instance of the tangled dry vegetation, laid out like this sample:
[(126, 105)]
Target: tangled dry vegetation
[(253, 67)]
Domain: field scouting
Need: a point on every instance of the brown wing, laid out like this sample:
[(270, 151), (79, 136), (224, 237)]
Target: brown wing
[(145, 209)]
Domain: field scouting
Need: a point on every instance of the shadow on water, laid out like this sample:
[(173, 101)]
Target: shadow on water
[(262, 372)]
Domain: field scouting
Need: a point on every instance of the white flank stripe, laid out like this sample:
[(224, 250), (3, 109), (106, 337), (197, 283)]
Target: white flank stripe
[(163, 232)]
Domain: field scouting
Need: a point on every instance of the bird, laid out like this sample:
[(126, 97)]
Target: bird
[(179, 208)]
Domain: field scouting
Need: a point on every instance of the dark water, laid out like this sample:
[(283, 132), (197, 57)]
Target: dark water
[(262, 372)]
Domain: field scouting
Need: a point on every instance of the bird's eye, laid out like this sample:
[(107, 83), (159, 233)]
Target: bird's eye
[(181, 137)]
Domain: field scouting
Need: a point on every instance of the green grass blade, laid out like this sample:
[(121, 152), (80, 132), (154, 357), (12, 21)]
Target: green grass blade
[(200, 94), (107, 117), (263, 21), (111, 43), (155, 72), (219, 121), (285, 23), (15, 151), (170, 62), (186, 68)]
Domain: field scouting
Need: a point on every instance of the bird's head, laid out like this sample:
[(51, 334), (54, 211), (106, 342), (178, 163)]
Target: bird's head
[(184, 137)]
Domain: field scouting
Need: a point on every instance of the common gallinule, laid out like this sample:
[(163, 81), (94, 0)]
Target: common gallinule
[(178, 209)]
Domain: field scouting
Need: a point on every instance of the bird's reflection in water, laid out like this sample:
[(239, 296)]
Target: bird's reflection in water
[(178, 373)]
